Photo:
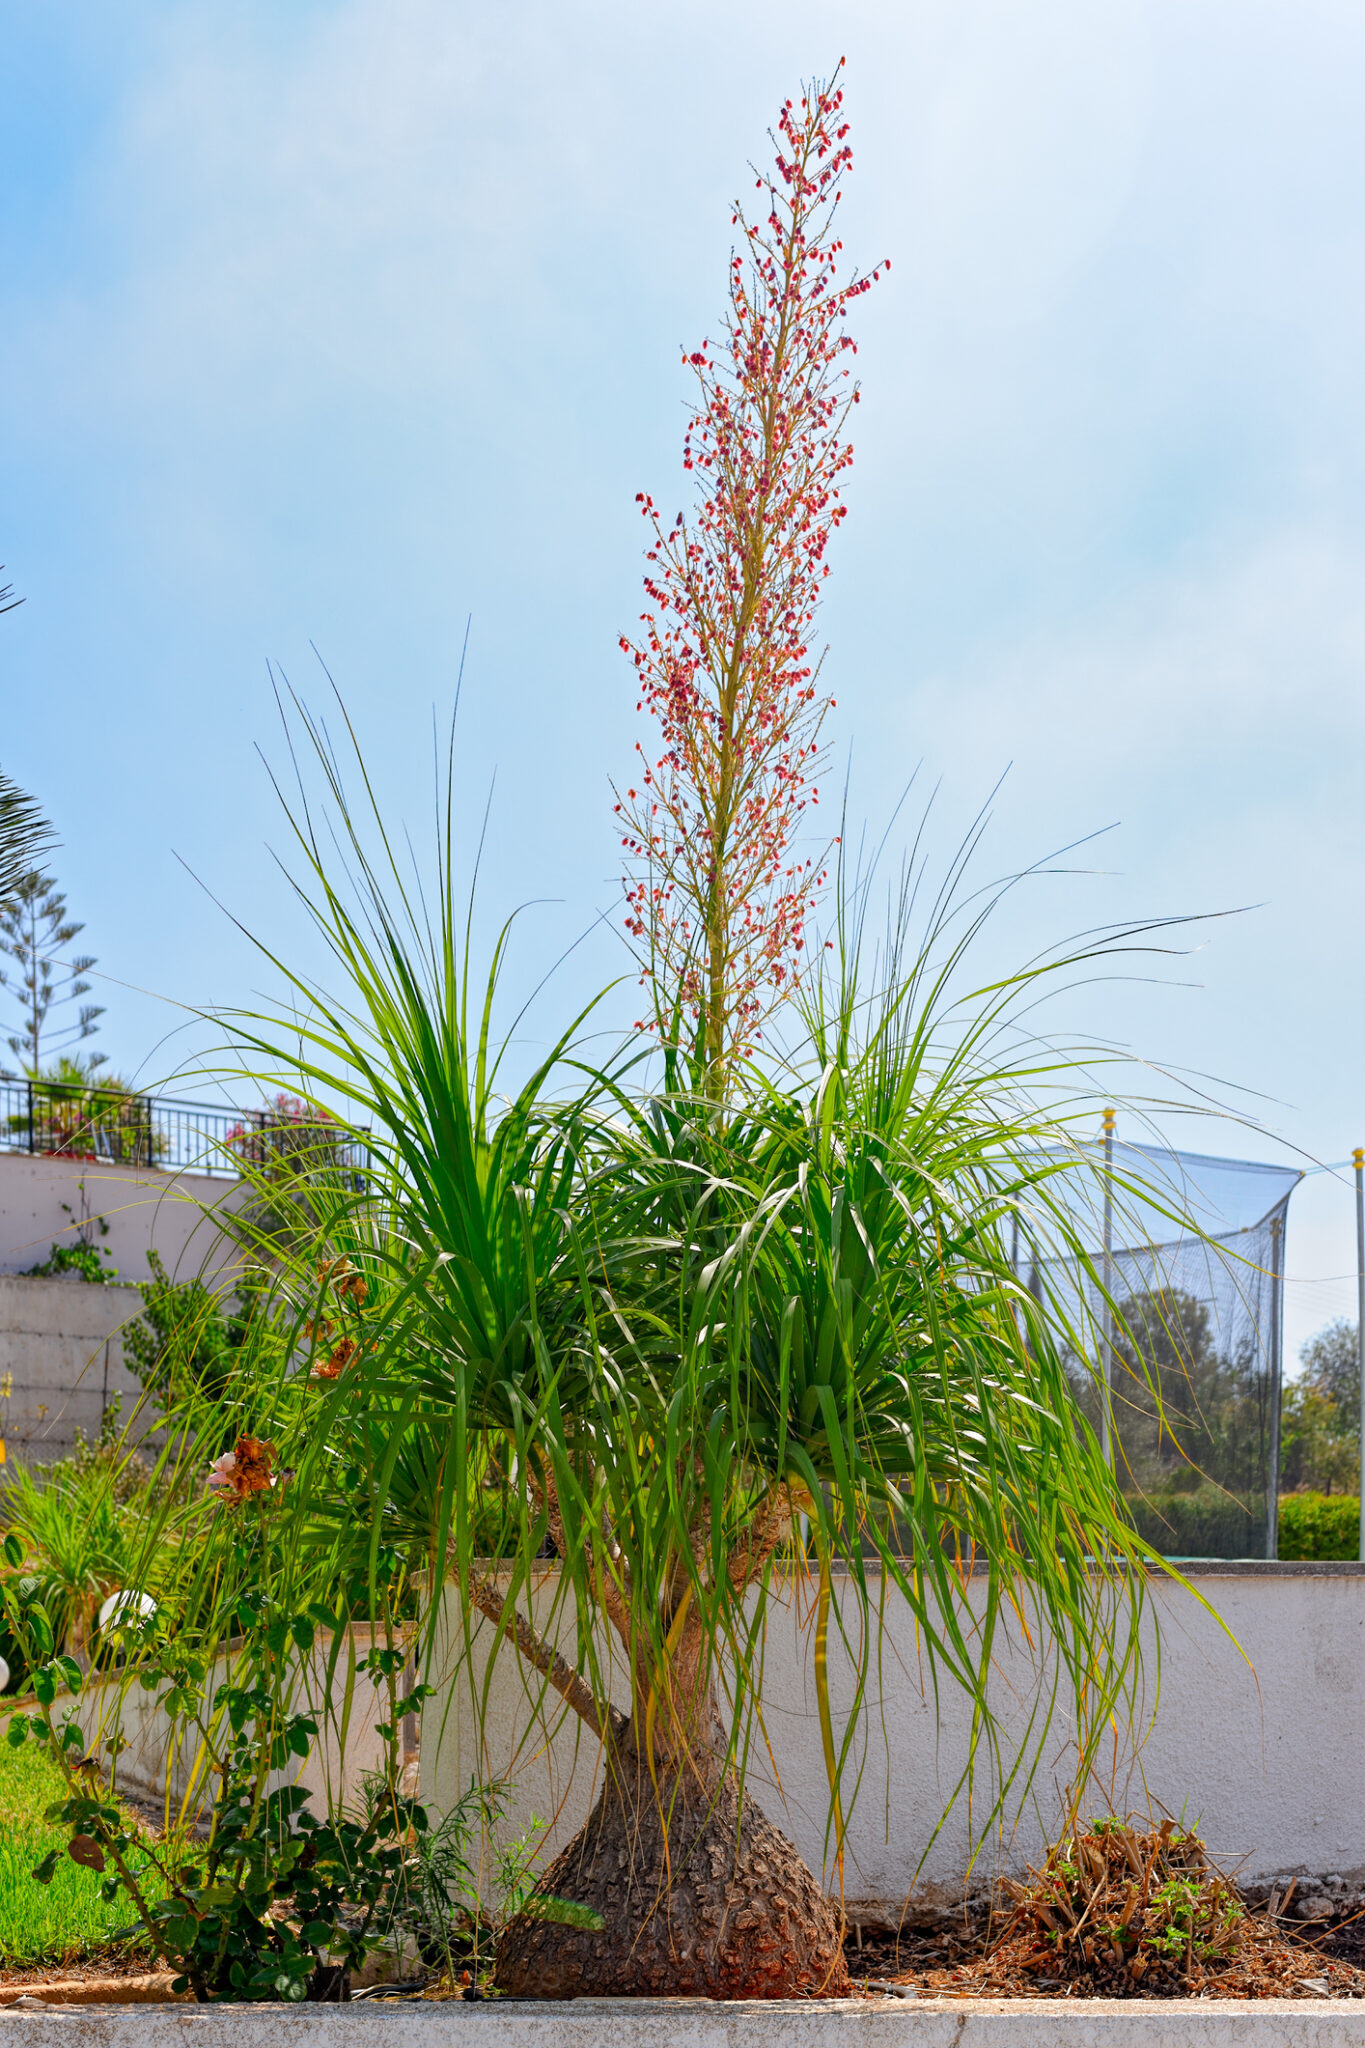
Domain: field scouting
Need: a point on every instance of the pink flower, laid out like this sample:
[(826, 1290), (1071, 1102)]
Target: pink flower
[(222, 1479)]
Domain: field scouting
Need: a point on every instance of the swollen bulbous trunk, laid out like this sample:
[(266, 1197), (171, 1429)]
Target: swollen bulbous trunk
[(700, 1896)]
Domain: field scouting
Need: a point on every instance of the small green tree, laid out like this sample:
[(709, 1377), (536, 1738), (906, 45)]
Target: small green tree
[(35, 936)]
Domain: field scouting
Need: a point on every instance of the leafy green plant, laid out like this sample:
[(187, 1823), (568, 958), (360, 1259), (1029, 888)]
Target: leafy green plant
[(71, 1539), (275, 1899), (85, 1259), (216, 1924), (212, 1908), (187, 1344), (65, 1920)]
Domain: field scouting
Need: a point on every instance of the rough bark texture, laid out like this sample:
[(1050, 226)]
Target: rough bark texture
[(716, 1904)]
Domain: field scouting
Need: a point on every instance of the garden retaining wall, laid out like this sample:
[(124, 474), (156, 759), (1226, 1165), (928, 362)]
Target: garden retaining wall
[(693, 2023), (1253, 1735), (61, 1362), (124, 1210), (61, 1349)]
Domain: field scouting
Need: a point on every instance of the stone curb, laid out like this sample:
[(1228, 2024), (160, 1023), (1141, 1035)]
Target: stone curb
[(153, 1988), (698, 2023)]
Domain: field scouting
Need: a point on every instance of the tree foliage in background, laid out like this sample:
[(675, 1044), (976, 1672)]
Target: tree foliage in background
[(1184, 1411), (1321, 1416), (1192, 1420)]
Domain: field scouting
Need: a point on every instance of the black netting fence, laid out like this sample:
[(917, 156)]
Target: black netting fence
[(1198, 1314)]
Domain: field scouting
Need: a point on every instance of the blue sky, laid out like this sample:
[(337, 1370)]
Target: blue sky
[(347, 323)]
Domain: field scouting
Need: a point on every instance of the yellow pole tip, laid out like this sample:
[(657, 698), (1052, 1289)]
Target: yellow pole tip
[(1359, 1159)]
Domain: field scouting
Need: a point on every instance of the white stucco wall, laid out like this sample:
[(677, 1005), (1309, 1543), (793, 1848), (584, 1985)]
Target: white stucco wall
[(46, 1201), (1264, 1751), (165, 1766)]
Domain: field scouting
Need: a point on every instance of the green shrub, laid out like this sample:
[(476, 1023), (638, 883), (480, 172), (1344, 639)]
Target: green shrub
[(1319, 1525), (1205, 1523)]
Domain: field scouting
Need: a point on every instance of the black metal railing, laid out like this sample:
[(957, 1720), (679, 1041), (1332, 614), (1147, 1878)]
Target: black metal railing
[(120, 1128)]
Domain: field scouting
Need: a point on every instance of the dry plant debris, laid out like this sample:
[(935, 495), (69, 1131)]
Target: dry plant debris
[(1121, 1910)]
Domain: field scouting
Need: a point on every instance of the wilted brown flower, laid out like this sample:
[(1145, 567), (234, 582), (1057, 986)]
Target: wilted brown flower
[(248, 1468), (342, 1275), (336, 1361)]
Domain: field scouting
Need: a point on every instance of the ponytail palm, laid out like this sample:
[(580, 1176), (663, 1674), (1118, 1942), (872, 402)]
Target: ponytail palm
[(693, 1351)]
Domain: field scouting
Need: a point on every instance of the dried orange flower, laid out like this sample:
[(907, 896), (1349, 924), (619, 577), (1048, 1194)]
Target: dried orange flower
[(343, 1276), (249, 1468), (336, 1361)]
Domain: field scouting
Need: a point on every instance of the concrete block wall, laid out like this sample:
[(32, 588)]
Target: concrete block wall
[(1247, 1726), (61, 1362), (61, 1345)]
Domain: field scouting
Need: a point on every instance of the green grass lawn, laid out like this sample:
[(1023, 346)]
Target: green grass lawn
[(62, 1921)]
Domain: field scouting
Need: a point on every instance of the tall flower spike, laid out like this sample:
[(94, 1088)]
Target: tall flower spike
[(716, 900)]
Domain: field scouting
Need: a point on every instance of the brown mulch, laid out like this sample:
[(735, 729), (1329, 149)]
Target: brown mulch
[(1119, 1910)]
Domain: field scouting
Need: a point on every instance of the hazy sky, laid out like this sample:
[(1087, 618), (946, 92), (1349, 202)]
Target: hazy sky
[(345, 323)]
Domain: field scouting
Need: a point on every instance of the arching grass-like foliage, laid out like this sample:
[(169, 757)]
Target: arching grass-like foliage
[(690, 1349)]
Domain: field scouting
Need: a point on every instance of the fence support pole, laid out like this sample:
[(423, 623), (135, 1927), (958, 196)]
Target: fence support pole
[(1272, 1500), (1360, 1320), (1107, 1343)]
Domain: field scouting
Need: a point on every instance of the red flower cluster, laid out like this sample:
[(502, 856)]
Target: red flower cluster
[(717, 900)]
